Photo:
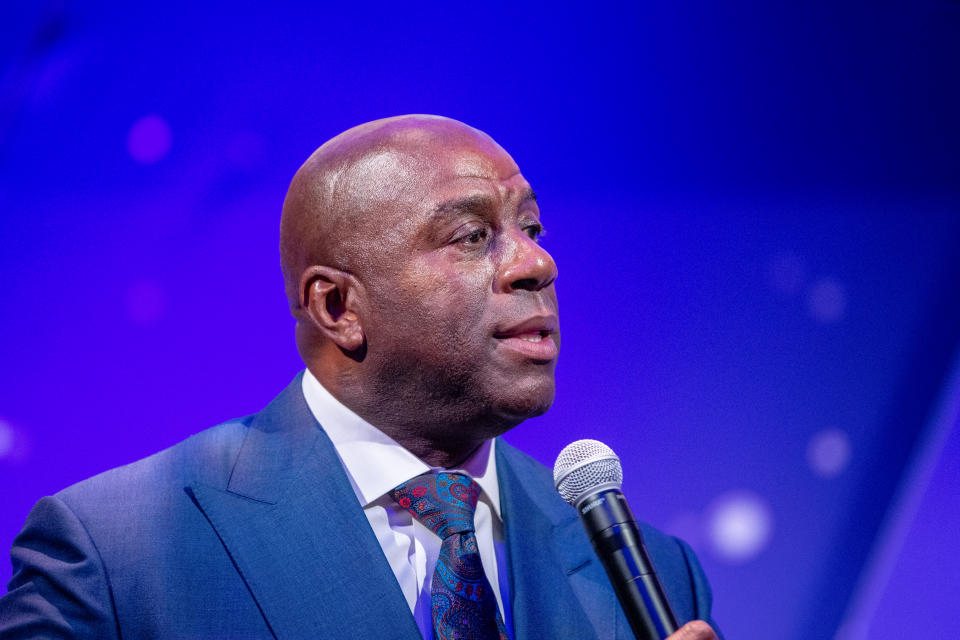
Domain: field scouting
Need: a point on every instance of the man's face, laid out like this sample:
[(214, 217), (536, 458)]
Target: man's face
[(462, 314)]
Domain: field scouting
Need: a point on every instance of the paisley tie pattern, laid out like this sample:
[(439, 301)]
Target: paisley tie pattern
[(464, 606)]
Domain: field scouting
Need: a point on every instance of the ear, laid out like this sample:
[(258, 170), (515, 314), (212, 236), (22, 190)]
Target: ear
[(329, 297)]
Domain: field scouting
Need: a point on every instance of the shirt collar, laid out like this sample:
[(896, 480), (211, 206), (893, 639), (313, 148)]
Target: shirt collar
[(375, 463)]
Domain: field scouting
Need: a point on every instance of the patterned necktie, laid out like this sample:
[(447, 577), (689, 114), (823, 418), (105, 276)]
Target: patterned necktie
[(464, 606)]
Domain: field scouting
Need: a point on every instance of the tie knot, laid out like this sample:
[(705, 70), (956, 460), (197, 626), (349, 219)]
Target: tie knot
[(442, 502)]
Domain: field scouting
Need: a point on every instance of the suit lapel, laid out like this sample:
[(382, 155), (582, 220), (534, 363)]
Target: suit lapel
[(559, 588), (293, 528)]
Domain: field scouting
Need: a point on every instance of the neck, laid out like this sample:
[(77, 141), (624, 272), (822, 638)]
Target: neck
[(445, 440), (434, 457), (441, 434)]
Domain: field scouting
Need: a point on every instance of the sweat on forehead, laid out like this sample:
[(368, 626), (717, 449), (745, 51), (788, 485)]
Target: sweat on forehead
[(349, 174)]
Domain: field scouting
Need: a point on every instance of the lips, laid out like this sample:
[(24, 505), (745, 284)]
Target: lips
[(531, 338)]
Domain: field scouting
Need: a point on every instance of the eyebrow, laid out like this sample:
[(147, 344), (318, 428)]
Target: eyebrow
[(475, 202)]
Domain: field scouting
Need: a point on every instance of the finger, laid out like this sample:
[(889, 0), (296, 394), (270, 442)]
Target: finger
[(695, 630)]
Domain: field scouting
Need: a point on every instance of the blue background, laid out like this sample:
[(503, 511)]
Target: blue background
[(755, 208)]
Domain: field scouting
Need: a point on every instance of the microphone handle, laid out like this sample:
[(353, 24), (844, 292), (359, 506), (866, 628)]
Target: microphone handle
[(617, 540)]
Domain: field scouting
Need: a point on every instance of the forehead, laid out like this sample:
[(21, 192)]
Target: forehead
[(425, 167), (458, 171), (466, 160)]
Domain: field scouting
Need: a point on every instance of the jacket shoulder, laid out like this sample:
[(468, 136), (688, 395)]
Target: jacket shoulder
[(207, 456)]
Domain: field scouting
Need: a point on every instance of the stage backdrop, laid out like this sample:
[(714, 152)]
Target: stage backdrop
[(754, 207)]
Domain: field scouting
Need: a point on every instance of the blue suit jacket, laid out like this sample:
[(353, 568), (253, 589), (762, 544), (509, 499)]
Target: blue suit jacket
[(251, 530)]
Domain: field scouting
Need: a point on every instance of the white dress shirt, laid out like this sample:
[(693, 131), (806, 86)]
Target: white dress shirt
[(375, 464)]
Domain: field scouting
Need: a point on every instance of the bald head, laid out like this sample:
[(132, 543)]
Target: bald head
[(330, 213)]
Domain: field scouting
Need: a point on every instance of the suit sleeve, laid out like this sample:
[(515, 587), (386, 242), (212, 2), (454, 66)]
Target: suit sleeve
[(59, 588), (702, 594)]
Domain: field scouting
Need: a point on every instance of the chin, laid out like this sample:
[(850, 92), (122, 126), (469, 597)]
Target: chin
[(527, 401)]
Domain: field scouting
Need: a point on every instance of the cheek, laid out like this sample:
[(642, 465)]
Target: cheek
[(449, 301)]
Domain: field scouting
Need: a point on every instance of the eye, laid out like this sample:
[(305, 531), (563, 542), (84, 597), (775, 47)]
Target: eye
[(476, 236), (535, 231)]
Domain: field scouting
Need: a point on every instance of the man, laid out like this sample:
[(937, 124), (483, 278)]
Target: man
[(427, 318)]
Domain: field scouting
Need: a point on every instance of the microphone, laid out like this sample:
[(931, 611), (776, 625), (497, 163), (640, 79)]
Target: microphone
[(588, 475)]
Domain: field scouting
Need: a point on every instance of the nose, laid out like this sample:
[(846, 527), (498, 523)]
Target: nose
[(528, 267)]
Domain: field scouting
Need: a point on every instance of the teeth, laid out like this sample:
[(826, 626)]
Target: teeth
[(534, 337)]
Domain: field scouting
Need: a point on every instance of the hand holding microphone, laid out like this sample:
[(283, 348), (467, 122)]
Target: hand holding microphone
[(588, 476), (694, 630)]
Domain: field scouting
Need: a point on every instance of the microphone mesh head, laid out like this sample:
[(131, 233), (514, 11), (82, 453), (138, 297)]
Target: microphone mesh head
[(583, 465)]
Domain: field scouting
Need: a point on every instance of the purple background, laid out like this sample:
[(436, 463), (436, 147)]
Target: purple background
[(755, 208)]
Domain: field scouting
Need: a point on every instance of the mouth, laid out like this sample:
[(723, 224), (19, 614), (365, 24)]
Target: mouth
[(532, 338)]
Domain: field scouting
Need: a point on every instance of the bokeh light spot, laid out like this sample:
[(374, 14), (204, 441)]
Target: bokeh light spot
[(7, 438), (740, 525), (149, 139), (827, 301), (146, 303), (828, 452)]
